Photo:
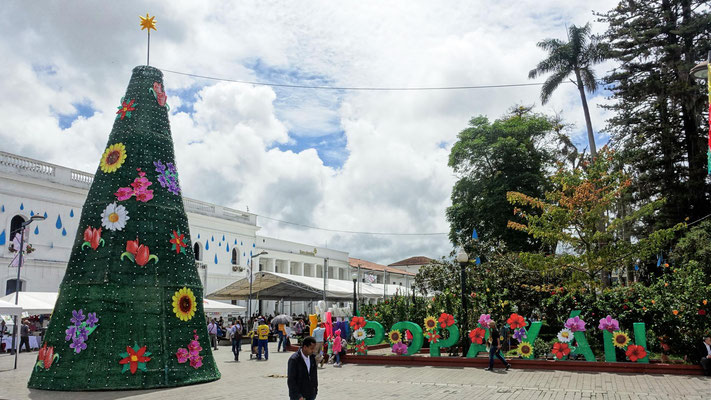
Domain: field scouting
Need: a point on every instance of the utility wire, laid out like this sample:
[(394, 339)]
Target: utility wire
[(354, 232), (357, 88)]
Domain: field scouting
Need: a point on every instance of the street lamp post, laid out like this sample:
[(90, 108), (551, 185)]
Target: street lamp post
[(463, 259), (251, 278), (355, 294), (15, 338)]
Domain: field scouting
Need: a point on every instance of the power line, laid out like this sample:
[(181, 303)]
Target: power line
[(357, 88), (354, 232)]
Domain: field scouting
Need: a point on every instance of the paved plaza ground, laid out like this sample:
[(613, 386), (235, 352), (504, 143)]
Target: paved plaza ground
[(267, 380)]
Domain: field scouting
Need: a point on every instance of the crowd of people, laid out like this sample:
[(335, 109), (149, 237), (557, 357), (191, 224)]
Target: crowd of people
[(32, 326)]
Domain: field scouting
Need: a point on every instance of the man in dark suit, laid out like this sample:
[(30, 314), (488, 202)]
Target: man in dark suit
[(705, 355), (302, 372)]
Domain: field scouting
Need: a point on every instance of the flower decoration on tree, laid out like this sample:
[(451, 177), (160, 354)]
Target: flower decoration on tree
[(560, 350), (359, 334), (484, 320), (192, 353), (92, 238), (445, 320), (361, 348), (357, 323), (525, 349), (432, 336), (575, 324), (565, 335), (635, 352), (134, 359), (620, 339), (520, 334), (159, 94), (184, 305), (138, 253), (167, 176), (124, 110), (430, 323), (178, 241), (477, 335), (46, 357), (113, 158), (394, 336), (78, 333), (516, 321), (609, 324), (138, 188), (114, 217), (399, 348)]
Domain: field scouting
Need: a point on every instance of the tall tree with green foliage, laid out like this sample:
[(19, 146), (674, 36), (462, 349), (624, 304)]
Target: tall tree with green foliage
[(574, 216), (492, 159), (658, 125), (574, 57)]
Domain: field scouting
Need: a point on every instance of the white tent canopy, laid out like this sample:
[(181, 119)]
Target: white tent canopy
[(276, 286), (212, 306), (7, 308), (34, 302)]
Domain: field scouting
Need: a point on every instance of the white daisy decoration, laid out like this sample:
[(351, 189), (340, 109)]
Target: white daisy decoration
[(114, 217), (359, 334), (565, 335)]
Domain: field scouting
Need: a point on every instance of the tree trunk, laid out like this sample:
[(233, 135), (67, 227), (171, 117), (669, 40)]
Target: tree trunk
[(588, 122)]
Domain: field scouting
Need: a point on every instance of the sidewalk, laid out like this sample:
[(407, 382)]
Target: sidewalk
[(267, 379)]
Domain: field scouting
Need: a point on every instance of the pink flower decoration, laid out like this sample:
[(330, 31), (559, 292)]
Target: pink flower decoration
[(484, 320), (182, 355), (124, 193), (399, 348), (575, 324), (194, 346), (609, 324), (196, 362)]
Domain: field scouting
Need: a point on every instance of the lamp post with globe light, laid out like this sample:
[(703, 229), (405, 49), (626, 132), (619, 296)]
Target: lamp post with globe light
[(463, 260)]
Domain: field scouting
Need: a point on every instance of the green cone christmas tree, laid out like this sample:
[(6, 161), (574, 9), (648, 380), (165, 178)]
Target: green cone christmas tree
[(129, 313)]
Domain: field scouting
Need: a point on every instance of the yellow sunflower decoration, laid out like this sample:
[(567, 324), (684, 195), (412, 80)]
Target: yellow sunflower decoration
[(620, 339), (113, 157), (430, 323), (184, 305), (525, 350), (394, 336)]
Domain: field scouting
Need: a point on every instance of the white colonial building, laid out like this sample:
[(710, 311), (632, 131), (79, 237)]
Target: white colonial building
[(225, 240)]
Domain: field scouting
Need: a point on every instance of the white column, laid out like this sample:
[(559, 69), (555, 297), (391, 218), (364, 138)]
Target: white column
[(271, 265)]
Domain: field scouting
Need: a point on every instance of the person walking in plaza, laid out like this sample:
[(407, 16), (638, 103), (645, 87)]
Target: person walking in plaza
[(263, 343), (212, 331), (236, 336), (318, 335), (302, 374), (337, 347), (494, 338), (25, 335), (281, 331), (705, 355)]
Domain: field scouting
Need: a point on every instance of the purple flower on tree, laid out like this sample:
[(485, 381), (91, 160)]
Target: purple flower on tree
[(78, 344), (609, 324), (168, 176), (182, 355), (575, 324), (520, 334), (83, 333), (77, 317), (399, 348), (91, 320), (71, 333)]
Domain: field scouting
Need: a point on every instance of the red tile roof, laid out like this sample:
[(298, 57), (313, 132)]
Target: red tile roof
[(418, 260), (355, 262)]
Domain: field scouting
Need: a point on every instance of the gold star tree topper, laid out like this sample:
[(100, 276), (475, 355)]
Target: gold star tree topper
[(148, 22)]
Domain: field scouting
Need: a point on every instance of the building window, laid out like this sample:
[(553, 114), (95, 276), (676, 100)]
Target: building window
[(197, 249), (235, 257), (16, 225), (11, 286)]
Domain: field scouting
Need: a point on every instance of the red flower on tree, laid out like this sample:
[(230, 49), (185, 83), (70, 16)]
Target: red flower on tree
[(445, 320), (477, 335), (635, 352), (516, 321), (139, 253), (178, 241), (124, 110), (46, 357), (357, 323), (433, 337), (702, 312), (560, 350), (92, 238), (134, 359)]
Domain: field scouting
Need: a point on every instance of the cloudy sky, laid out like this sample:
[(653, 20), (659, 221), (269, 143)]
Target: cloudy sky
[(372, 161)]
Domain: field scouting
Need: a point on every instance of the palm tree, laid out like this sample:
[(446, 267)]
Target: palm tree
[(576, 56)]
